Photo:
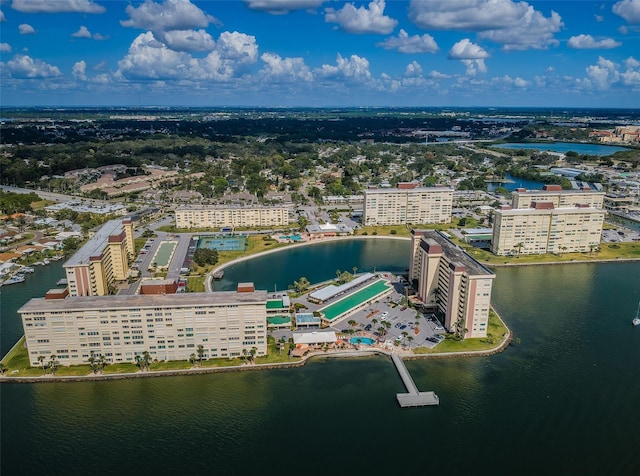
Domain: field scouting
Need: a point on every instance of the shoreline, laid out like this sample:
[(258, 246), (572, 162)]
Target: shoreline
[(356, 353), (551, 263), (209, 275)]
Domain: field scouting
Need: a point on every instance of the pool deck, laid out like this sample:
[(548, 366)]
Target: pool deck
[(413, 398)]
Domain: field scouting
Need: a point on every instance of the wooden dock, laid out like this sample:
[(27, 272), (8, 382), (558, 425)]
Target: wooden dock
[(413, 398)]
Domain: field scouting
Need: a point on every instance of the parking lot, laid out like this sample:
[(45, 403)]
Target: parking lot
[(404, 324)]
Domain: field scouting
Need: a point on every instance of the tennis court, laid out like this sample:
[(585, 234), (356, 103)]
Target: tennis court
[(223, 243), (164, 253), (355, 300)]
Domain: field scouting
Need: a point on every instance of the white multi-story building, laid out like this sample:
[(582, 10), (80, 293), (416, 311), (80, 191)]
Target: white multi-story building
[(522, 198), (236, 216), (452, 282), (102, 260), (407, 204), (546, 229), (168, 326)]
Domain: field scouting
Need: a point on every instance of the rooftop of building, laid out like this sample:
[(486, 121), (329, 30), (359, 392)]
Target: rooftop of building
[(553, 191), (144, 301), (233, 206), (96, 245), (455, 254), (370, 191), (547, 211)]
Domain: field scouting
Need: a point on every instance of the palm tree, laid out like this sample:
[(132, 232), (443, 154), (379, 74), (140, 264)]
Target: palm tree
[(41, 360), (382, 331), (192, 359), (102, 362), (519, 247), (200, 352), (404, 335), (352, 323), (93, 362), (252, 353), (410, 339), (53, 363), (374, 321), (146, 359)]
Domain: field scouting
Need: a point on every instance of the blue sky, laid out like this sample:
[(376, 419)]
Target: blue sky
[(416, 53)]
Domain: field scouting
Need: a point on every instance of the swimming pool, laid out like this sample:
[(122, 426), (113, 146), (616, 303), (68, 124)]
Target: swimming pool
[(291, 237), (362, 340)]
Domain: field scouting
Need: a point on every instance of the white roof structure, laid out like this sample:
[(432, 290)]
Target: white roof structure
[(315, 338), (330, 291)]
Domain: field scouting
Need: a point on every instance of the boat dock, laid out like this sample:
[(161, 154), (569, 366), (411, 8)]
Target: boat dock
[(413, 398)]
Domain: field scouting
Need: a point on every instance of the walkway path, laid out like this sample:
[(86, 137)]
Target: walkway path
[(413, 398)]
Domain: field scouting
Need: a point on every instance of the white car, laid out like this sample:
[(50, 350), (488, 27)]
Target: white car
[(384, 315)]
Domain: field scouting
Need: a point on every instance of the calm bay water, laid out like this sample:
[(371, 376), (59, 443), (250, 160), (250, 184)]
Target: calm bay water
[(515, 182), (318, 262), (562, 401), (564, 147)]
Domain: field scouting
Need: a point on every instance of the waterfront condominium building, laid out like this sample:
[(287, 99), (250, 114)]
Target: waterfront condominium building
[(102, 260), (407, 204), (225, 216), (546, 229), (522, 198), (168, 326), (452, 282)]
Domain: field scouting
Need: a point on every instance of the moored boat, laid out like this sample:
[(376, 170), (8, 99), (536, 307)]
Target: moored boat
[(636, 320), (15, 279)]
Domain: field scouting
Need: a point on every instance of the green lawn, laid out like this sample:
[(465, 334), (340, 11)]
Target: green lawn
[(495, 334), (608, 251)]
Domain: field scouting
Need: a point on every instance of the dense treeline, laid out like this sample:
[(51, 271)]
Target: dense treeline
[(11, 202)]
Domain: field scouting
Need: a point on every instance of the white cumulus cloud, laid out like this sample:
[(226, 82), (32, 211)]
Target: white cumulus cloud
[(2, 17), (534, 31), (362, 19), (465, 49), (604, 73), (410, 44), (165, 16), (187, 40), (278, 7), (285, 69), (57, 6), (413, 70), (588, 42), (26, 29), (83, 32), (23, 66), (515, 25), (354, 68), (5, 48), (629, 10), (79, 70), (148, 58)]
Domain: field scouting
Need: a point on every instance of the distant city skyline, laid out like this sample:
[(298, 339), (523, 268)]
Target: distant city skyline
[(320, 53)]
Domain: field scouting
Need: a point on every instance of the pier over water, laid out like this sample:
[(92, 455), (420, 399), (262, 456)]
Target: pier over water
[(413, 398)]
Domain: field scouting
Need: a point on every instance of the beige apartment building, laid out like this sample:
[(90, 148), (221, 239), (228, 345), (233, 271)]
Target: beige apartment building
[(546, 229), (218, 216), (522, 198), (168, 326), (407, 204), (102, 260), (452, 282)]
